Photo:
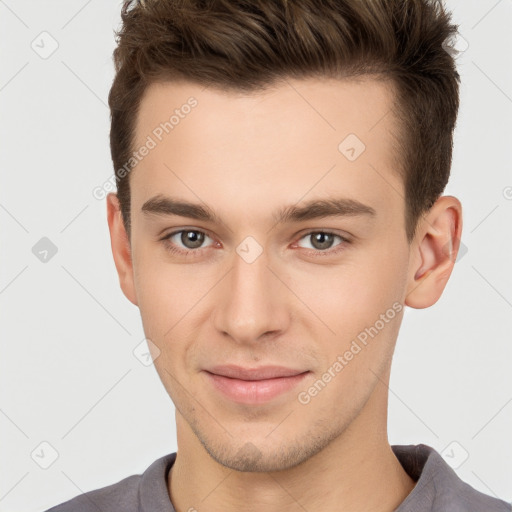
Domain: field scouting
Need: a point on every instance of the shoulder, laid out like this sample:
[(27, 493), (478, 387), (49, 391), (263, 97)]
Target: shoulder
[(122, 495), (458, 496), (126, 495), (438, 488)]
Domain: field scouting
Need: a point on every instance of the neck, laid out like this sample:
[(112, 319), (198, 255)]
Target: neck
[(357, 471)]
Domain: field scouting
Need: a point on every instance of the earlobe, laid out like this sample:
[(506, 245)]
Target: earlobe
[(434, 252), (121, 249)]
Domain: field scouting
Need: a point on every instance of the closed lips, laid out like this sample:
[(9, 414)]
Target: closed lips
[(260, 373)]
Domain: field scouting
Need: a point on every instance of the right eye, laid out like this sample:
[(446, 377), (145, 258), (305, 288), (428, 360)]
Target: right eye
[(191, 240)]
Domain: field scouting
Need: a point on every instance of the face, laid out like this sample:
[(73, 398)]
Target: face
[(294, 255)]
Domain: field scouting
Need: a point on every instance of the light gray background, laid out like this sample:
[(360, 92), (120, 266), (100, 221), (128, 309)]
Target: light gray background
[(68, 373)]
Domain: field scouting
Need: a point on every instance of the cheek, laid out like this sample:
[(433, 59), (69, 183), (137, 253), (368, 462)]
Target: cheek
[(362, 304), (159, 290), (360, 301), (377, 279), (353, 292), (170, 301), (164, 299)]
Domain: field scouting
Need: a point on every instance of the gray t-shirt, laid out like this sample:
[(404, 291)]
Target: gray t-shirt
[(438, 488)]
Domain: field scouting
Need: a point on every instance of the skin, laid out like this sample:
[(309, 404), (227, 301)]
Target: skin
[(296, 305)]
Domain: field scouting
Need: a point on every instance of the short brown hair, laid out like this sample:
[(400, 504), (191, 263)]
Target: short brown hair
[(247, 45)]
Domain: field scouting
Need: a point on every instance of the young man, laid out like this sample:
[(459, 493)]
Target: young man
[(280, 166)]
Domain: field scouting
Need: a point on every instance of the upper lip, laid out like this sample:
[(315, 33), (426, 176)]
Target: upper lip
[(260, 373)]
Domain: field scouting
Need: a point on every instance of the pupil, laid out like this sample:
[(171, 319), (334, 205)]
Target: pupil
[(193, 237), (322, 240)]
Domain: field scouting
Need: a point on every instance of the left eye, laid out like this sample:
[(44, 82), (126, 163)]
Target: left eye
[(322, 240)]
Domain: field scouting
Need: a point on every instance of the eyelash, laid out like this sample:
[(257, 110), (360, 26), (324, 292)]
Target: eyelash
[(193, 252)]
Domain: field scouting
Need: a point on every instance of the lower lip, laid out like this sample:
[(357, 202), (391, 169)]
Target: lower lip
[(254, 391)]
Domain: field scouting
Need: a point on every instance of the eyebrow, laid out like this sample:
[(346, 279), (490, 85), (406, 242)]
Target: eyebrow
[(313, 209)]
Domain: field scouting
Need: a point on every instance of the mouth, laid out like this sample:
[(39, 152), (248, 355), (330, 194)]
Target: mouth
[(253, 385)]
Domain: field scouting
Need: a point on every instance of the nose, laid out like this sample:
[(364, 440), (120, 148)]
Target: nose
[(252, 301)]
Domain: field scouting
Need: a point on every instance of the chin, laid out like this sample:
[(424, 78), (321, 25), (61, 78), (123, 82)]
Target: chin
[(251, 458)]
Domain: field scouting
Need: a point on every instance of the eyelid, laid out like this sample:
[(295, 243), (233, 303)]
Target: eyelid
[(327, 231)]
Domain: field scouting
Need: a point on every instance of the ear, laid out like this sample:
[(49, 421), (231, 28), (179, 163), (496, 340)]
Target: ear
[(434, 252), (121, 249)]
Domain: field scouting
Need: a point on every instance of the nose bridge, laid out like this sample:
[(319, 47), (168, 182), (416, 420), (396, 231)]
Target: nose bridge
[(252, 303)]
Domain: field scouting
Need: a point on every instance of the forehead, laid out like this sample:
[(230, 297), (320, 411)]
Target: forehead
[(333, 106), (300, 137)]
